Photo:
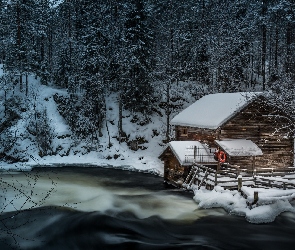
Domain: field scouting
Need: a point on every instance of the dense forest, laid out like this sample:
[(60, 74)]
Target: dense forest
[(130, 47)]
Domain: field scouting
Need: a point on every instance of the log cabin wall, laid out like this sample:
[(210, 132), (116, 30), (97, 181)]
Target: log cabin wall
[(165, 157), (173, 170), (266, 127), (196, 134), (244, 162)]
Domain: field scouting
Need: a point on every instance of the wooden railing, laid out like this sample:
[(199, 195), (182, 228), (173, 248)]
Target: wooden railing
[(227, 177)]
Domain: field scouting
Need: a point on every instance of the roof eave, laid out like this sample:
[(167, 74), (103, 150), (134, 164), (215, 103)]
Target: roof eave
[(193, 125)]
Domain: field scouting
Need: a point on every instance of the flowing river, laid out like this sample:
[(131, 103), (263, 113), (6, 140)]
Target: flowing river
[(105, 208)]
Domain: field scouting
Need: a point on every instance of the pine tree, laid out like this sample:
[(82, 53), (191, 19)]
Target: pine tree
[(42, 35), (88, 70), (138, 92), (3, 30), (64, 47), (20, 27)]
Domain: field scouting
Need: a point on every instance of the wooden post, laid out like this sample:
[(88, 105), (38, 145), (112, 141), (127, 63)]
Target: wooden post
[(255, 197), (215, 178), (217, 170), (195, 153), (253, 163), (240, 183), (284, 185), (198, 176)]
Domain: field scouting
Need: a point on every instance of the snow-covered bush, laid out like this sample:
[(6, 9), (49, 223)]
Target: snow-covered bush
[(7, 141), (39, 128), (83, 118)]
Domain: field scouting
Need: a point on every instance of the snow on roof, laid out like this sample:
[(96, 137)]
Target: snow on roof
[(184, 152), (239, 147), (211, 111)]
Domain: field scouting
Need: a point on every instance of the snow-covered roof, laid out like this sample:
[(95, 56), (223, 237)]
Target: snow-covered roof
[(184, 152), (211, 111), (239, 147)]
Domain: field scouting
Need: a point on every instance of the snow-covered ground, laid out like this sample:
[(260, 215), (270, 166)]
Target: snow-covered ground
[(270, 204), (142, 159), (40, 98), (104, 155)]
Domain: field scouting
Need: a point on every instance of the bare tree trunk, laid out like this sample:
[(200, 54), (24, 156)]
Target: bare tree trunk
[(109, 136), (19, 47), (263, 56), (50, 50), (289, 49), (70, 35), (270, 53), (42, 50), (5, 98), (168, 85), (276, 50), (27, 84), (120, 126), (168, 111)]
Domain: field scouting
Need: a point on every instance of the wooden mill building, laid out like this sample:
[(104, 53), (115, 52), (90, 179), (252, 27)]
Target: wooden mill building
[(221, 120)]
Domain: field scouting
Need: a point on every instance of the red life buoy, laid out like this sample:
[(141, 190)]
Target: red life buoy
[(221, 156)]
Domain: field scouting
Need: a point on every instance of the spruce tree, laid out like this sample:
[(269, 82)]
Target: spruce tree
[(138, 92)]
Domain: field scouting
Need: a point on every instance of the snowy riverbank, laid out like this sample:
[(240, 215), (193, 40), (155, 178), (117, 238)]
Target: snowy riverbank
[(23, 146), (271, 203)]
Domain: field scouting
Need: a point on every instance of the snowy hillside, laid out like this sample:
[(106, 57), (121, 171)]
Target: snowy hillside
[(21, 147)]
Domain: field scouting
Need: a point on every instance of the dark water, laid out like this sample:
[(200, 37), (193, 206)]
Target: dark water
[(139, 217)]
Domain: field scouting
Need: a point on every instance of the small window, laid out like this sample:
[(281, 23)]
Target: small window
[(184, 131)]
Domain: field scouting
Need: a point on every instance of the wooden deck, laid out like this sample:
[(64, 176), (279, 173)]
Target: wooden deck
[(228, 177)]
